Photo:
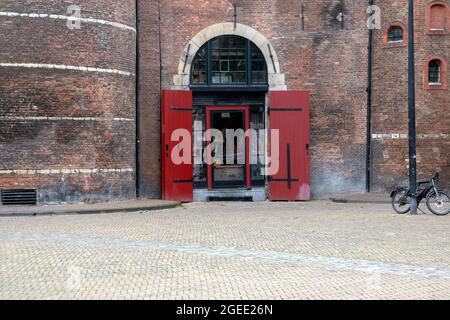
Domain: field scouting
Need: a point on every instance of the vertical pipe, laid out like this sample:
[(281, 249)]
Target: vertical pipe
[(302, 16), (138, 105), (369, 110), (412, 108), (160, 90)]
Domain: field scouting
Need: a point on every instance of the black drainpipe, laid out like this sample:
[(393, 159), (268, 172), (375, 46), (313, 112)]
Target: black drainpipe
[(369, 110), (160, 87), (138, 105), (160, 53)]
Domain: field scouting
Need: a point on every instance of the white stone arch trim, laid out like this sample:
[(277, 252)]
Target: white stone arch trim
[(276, 78)]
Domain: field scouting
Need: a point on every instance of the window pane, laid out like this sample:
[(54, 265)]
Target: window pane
[(257, 149), (215, 66), (215, 44), (229, 58), (199, 74), (215, 78), (434, 71), (259, 67)]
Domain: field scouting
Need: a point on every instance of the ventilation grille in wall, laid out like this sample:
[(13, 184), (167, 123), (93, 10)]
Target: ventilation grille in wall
[(19, 197)]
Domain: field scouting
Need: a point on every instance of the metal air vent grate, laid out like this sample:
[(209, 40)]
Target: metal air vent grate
[(19, 197)]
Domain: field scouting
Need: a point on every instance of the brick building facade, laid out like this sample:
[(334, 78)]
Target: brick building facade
[(390, 100), (70, 103)]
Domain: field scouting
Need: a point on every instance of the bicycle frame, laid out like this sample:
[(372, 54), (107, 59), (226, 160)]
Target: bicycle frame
[(436, 198), (421, 194)]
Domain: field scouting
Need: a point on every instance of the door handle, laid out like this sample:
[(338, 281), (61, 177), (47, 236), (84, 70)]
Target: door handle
[(167, 150)]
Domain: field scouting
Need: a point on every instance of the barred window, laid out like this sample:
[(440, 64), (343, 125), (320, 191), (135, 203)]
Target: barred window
[(434, 72), (395, 34)]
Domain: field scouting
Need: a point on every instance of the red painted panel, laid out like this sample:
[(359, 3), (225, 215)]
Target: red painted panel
[(289, 113), (176, 114)]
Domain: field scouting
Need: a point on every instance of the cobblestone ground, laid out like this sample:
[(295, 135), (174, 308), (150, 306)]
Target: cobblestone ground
[(317, 250)]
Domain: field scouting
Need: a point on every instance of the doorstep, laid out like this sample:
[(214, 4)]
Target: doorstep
[(256, 194)]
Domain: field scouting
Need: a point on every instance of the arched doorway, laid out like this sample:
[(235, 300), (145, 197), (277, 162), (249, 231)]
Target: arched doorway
[(229, 83), (229, 79)]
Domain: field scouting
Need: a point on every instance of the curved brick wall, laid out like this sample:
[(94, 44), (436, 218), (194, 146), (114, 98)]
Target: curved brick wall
[(67, 100)]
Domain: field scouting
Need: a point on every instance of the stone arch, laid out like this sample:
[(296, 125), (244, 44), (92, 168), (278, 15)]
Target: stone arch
[(183, 78)]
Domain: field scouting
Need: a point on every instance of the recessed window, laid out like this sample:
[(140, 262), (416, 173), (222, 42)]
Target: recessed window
[(436, 20), (434, 72), (229, 60), (395, 34), (437, 17)]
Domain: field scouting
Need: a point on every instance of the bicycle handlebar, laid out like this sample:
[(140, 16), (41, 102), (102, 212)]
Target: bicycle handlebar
[(435, 177)]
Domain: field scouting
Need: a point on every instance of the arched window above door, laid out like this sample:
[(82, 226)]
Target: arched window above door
[(229, 61)]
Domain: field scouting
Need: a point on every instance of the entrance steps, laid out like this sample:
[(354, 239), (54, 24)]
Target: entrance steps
[(239, 194)]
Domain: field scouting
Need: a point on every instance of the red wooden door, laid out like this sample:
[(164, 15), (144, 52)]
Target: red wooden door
[(177, 168), (289, 113)]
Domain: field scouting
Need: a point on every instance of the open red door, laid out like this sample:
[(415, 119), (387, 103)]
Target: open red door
[(177, 168), (289, 113)]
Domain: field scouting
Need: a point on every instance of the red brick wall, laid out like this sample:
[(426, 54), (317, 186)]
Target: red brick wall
[(101, 147), (150, 100), (391, 103), (329, 62)]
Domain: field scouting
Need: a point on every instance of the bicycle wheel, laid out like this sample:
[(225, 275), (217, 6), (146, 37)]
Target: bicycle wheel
[(401, 201), (438, 204)]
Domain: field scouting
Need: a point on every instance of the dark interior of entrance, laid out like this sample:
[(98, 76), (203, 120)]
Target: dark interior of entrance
[(224, 173), (257, 121)]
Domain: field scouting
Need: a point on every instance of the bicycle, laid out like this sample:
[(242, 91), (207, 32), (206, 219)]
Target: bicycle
[(438, 202)]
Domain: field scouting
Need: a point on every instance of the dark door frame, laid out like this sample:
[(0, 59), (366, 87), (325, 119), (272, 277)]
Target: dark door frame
[(246, 110)]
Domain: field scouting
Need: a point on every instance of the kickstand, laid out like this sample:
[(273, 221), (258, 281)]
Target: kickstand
[(421, 210)]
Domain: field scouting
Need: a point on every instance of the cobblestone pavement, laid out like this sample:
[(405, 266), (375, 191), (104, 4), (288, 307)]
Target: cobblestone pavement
[(316, 250)]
